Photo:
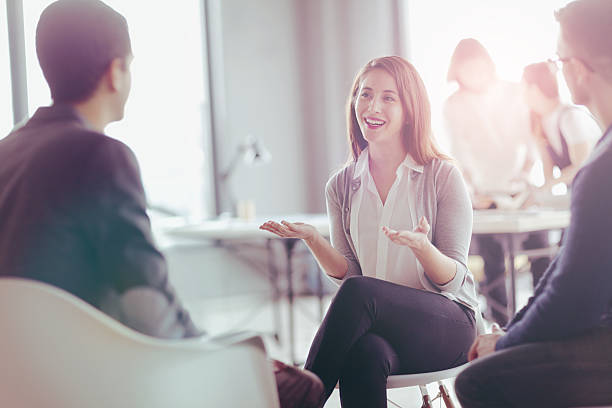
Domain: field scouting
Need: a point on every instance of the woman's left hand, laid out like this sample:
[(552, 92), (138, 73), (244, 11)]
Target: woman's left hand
[(416, 239)]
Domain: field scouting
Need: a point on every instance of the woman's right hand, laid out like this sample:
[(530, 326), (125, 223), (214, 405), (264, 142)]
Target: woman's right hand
[(286, 229)]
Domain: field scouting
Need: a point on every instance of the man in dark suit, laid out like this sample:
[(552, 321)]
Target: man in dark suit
[(556, 351), (72, 204)]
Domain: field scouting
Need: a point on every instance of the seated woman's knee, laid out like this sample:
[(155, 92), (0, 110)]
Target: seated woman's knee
[(356, 286)]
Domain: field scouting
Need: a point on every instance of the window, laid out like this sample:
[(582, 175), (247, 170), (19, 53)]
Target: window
[(6, 107), (516, 33), (166, 114)]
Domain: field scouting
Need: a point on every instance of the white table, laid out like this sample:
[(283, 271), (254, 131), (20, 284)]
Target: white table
[(485, 222), (236, 228), (239, 229), (508, 224), (516, 222), (511, 224)]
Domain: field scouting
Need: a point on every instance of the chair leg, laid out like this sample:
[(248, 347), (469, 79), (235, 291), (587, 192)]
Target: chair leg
[(425, 395), (445, 395)]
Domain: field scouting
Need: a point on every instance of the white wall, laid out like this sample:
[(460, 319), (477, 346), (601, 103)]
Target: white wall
[(288, 67), (262, 86), (6, 108), (336, 39)]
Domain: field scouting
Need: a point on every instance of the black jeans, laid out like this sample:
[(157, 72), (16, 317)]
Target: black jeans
[(375, 328), (566, 373), (492, 253)]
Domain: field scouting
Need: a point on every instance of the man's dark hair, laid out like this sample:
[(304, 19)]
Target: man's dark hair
[(587, 26), (76, 40)]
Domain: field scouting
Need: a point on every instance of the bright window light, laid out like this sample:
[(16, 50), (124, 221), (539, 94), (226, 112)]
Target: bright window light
[(516, 33), (165, 116), (6, 107)]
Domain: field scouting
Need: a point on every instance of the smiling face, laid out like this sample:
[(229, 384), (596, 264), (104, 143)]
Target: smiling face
[(378, 108)]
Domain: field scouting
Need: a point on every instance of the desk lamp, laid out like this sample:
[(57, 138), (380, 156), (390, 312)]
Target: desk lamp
[(251, 152)]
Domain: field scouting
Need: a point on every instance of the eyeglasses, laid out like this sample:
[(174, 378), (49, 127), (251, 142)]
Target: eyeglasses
[(557, 62)]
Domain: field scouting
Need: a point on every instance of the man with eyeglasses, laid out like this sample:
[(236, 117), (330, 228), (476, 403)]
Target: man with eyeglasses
[(556, 350)]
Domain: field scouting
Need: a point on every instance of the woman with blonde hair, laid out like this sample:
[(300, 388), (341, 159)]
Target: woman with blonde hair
[(400, 223)]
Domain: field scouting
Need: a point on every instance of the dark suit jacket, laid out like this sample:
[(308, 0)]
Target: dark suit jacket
[(72, 214)]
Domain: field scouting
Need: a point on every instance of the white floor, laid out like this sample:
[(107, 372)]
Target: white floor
[(256, 313)]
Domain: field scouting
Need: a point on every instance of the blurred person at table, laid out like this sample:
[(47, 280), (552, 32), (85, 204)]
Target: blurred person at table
[(564, 133), (487, 122), (400, 224), (556, 351)]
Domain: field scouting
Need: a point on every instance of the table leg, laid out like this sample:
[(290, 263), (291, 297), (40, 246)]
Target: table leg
[(289, 245), (512, 294), (273, 274), (320, 291)]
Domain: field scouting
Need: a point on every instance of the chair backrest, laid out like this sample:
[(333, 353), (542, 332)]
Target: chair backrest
[(412, 380), (58, 351)]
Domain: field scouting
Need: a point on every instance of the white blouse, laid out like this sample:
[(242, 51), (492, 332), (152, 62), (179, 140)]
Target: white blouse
[(378, 256), (576, 124), (489, 135)]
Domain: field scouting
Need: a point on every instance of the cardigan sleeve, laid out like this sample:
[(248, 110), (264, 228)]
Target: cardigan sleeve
[(453, 225), (339, 231)]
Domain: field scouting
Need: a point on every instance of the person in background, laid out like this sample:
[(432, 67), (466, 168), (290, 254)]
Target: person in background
[(487, 123), (556, 351), (72, 204), (564, 134), (400, 220)]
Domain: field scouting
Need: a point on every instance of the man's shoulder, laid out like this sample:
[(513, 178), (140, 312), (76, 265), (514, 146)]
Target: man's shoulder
[(60, 132), (593, 179), (88, 137), (67, 145), (600, 158), (95, 146)]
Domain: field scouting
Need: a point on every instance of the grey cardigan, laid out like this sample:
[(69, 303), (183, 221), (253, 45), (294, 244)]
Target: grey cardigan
[(441, 196)]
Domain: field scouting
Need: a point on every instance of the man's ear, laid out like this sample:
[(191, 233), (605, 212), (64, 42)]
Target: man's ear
[(116, 74)]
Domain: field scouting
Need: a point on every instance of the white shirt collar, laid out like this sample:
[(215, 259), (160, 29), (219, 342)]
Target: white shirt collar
[(362, 164)]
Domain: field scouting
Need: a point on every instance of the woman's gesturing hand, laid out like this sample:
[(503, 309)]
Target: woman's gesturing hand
[(415, 239), (286, 229)]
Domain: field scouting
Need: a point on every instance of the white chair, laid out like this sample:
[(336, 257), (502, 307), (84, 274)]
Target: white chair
[(422, 379), (57, 351)]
